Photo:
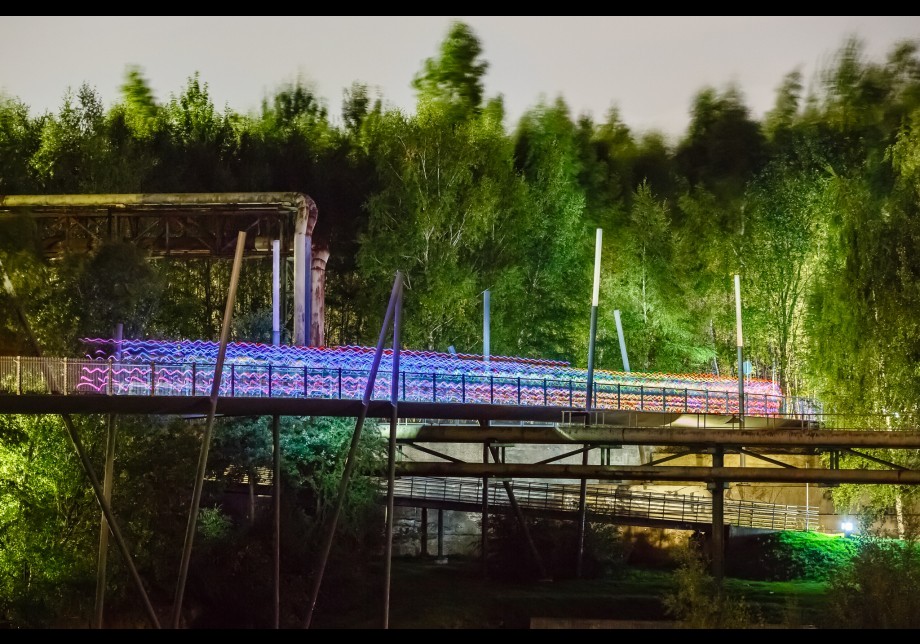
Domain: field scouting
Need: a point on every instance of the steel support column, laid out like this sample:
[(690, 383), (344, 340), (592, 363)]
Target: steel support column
[(717, 539), (441, 557), (391, 455), (521, 519), (209, 428), (485, 513), (107, 476), (276, 498), (352, 452), (582, 518), (423, 534)]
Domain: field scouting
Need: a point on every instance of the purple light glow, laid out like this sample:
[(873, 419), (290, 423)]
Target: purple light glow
[(154, 367)]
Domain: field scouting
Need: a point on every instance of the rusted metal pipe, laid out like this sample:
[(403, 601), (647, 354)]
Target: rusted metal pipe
[(660, 473), (318, 295), (303, 246)]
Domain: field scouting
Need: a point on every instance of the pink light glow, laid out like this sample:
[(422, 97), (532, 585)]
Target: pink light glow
[(186, 367)]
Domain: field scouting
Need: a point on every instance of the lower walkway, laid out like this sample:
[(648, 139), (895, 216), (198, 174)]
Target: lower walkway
[(604, 503)]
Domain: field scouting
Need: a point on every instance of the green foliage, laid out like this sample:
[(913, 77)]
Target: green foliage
[(228, 571), (213, 525), (699, 601), (48, 523), (786, 207), (787, 556), (724, 147), (453, 80), (19, 141), (539, 253), (141, 109), (880, 588), (444, 188)]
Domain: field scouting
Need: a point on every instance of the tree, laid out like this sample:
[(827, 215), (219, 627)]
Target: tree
[(723, 147), (540, 244), (879, 588), (649, 285), (356, 106), (19, 141), (140, 106), (203, 143), (607, 154), (74, 152), (453, 80), (443, 189), (783, 116), (785, 207), (48, 524)]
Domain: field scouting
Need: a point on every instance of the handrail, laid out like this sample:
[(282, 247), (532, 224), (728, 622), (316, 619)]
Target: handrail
[(610, 502), (26, 375)]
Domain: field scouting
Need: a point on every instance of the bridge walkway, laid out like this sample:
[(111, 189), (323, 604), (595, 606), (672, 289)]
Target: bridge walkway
[(604, 504)]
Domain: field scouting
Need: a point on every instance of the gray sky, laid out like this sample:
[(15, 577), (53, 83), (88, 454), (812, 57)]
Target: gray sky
[(649, 67)]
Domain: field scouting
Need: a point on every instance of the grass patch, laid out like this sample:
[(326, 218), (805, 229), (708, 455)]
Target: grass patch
[(428, 595)]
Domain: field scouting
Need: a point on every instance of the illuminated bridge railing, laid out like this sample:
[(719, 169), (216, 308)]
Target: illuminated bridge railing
[(607, 501), (29, 375)]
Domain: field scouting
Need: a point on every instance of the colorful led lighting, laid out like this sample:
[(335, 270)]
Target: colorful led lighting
[(186, 367)]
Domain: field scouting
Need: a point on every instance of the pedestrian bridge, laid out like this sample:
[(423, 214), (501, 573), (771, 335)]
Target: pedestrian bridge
[(153, 368)]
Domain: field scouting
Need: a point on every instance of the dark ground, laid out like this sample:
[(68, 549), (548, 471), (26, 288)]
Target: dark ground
[(426, 594)]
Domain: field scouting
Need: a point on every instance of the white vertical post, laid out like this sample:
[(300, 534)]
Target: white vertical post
[(595, 296), (616, 315), (276, 292), (738, 310)]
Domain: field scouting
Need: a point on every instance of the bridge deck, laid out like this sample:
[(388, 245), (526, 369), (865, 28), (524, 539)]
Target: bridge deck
[(604, 504)]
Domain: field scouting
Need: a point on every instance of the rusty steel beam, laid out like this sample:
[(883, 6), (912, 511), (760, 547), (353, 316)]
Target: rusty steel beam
[(660, 473), (687, 437), (526, 434), (114, 215)]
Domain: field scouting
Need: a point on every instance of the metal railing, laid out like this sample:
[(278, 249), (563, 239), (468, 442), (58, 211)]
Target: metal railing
[(31, 375), (608, 501)]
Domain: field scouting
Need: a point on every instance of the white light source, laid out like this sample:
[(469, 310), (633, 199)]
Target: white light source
[(847, 527)]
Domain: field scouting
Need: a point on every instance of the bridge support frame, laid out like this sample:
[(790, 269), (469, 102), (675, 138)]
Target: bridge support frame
[(353, 449), (717, 538), (102, 560)]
